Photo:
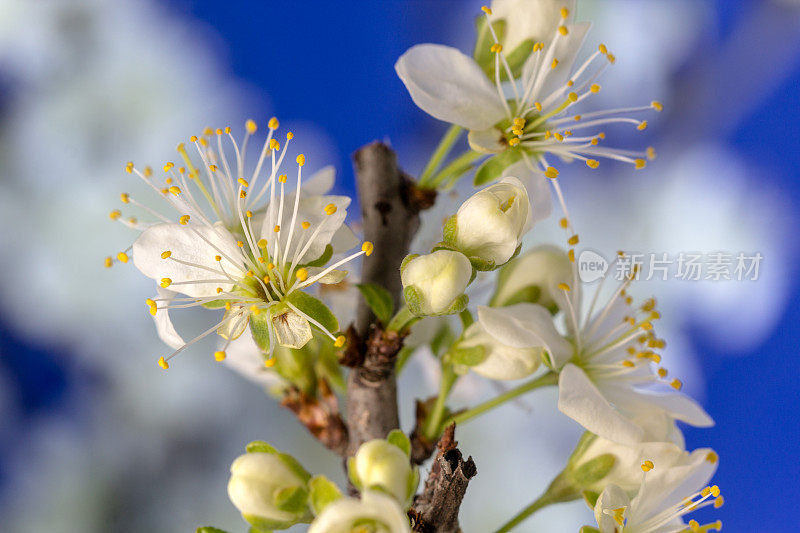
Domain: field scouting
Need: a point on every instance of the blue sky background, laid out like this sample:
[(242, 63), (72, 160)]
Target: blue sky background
[(331, 63)]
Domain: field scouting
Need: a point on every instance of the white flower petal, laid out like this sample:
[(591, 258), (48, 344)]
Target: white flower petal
[(321, 182), (166, 331), (490, 141), (529, 19), (245, 357), (332, 277), (343, 515), (525, 326), (579, 399), (191, 243), (610, 499), (540, 194), (291, 330), (450, 86)]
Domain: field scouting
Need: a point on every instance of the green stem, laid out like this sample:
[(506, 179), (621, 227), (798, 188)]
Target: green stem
[(455, 168), (433, 424), (543, 501), (550, 378), (559, 491), (404, 318), (441, 152)]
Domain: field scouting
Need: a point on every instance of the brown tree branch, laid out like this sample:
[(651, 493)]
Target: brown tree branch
[(435, 510), (320, 415), (390, 206)]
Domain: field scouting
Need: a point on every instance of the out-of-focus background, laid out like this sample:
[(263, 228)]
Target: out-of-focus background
[(95, 437)]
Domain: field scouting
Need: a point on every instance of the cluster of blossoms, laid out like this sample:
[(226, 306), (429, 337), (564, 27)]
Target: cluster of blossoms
[(254, 248)]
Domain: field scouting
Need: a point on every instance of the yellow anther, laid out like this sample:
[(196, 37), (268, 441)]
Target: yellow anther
[(563, 287), (629, 364), (594, 141), (551, 173), (712, 457), (269, 363), (563, 30), (647, 466), (193, 138), (220, 355), (651, 153), (274, 144), (564, 223), (676, 384), (592, 163), (330, 209), (519, 122), (277, 228), (249, 214), (305, 224), (242, 194), (184, 219), (718, 502), (715, 491), (175, 190), (168, 181), (573, 240), (115, 214), (705, 492), (496, 48), (513, 141), (122, 257), (640, 163), (273, 123), (595, 88), (217, 258), (129, 167), (108, 262), (212, 168), (538, 106), (647, 326), (240, 244), (227, 306), (601, 135), (548, 134), (642, 125), (203, 141), (570, 83), (611, 58), (564, 12), (339, 342), (125, 198), (289, 135), (282, 178), (218, 131), (262, 243), (169, 166), (219, 290), (558, 136), (165, 254), (554, 64), (577, 118), (694, 525), (301, 274), (517, 131), (227, 129), (243, 182), (207, 131), (251, 126), (166, 282), (486, 10), (255, 310), (662, 372), (163, 363), (571, 255), (270, 266), (148, 171), (367, 247), (658, 106)]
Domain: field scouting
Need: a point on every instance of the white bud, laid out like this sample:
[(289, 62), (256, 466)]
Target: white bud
[(491, 223), (534, 278), (500, 361), (259, 488), (374, 512), (379, 464), (436, 281)]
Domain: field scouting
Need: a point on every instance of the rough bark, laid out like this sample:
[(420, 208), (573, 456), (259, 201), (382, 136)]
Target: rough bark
[(435, 510), (390, 206)]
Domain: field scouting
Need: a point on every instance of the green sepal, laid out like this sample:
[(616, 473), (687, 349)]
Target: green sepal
[(406, 260), (256, 530), (214, 304), (413, 300), (593, 471), (442, 245), (590, 497), (399, 439), (443, 339), (516, 59), (260, 446), (458, 305), (267, 524), (209, 529), (493, 167), (315, 309), (584, 442), (323, 259), (482, 53), (291, 499), (259, 327), (529, 294), (378, 299), (413, 483), (589, 529), (450, 229), (482, 265), (322, 492), (469, 356)]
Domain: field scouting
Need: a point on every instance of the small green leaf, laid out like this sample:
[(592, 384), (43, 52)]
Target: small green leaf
[(457, 306), (590, 497), (482, 265), (406, 260), (413, 300), (324, 258), (260, 446), (259, 327), (291, 499), (267, 524), (378, 299), (469, 356), (399, 439), (593, 471), (209, 529), (323, 492), (483, 43), (214, 304), (583, 444), (493, 167), (450, 229), (315, 309), (516, 59), (529, 294)]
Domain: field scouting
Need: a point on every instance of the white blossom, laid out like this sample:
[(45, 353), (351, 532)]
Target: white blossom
[(374, 512), (435, 283)]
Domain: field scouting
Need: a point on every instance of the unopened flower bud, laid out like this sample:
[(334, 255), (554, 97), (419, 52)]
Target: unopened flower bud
[(434, 284), (489, 226), (374, 512), (269, 488), (381, 465)]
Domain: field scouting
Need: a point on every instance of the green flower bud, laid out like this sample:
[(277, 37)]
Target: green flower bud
[(434, 284), (375, 512), (383, 466)]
